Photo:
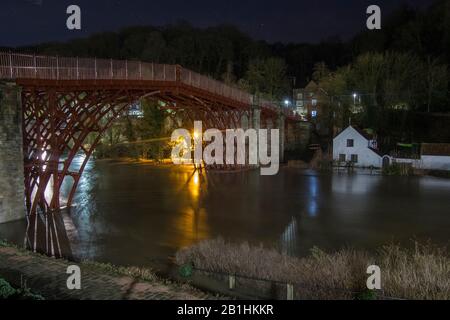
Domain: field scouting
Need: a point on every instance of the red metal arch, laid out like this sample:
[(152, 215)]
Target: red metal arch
[(67, 99), (58, 119)]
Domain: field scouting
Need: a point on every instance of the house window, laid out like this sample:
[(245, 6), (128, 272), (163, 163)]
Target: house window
[(300, 96), (354, 158), (314, 102), (350, 143), (341, 157), (314, 113), (299, 103)]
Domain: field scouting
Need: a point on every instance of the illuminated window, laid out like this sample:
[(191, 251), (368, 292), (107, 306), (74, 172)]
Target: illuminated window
[(314, 113), (300, 96), (314, 102), (299, 103)]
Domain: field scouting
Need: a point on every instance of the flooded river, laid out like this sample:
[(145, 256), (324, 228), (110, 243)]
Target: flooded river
[(141, 214)]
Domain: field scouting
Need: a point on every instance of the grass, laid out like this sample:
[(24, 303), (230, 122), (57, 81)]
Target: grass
[(145, 274), (419, 273), (398, 169)]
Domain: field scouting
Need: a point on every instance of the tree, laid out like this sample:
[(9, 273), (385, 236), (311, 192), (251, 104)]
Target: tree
[(268, 78), (320, 71), (436, 85), (152, 122), (155, 48)]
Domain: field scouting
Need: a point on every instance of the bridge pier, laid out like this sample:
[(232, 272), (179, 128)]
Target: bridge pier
[(12, 196)]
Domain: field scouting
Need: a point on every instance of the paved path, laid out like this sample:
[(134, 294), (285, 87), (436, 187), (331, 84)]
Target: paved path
[(47, 276)]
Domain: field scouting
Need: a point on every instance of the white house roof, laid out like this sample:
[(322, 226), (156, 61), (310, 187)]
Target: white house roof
[(360, 132)]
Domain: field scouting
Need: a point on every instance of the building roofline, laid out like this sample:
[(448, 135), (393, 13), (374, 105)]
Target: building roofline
[(358, 131)]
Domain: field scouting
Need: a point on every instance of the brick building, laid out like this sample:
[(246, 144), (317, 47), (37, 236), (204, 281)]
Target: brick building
[(312, 103)]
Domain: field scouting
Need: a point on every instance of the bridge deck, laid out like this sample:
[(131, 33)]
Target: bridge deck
[(42, 71)]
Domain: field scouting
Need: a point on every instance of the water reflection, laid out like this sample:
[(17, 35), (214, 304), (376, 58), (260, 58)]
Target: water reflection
[(313, 194), (191, 223), (288, 242), (136, 214)]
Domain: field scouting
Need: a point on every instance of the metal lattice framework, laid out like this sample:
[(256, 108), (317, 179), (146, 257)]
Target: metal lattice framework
[(66, 99)]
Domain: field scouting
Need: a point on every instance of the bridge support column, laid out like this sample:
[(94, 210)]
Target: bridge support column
[(12, 196)]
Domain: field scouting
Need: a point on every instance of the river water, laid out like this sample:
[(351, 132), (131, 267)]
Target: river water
[(141, 214)]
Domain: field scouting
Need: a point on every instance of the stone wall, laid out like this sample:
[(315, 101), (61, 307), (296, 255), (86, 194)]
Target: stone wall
[(12, 203)]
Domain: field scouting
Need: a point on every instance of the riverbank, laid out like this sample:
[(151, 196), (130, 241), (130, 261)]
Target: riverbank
[(48, 277), (422, 272)]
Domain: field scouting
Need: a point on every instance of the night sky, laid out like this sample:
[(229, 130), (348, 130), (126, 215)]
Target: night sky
[(25, 22)]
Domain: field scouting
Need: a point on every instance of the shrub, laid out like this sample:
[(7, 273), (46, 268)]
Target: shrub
[(421, 273), (6, 291), (398, 169)]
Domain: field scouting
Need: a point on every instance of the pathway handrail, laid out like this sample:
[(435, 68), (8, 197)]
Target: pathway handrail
[(300, 284)]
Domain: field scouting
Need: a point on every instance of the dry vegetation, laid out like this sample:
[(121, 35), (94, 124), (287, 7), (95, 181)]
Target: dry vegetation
[(419, 273)]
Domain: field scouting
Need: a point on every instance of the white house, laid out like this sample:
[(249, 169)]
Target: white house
[(435, 156), (353, 145)]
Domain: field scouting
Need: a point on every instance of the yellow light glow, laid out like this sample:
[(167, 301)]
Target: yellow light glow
[(196, 178), (191, 224), (194, 187)]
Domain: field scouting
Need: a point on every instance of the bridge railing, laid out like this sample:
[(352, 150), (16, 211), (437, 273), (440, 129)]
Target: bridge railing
[(200, 81), (14, 66), (29, 66)]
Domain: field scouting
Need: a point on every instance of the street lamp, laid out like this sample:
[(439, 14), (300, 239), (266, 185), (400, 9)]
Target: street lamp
[(354, 98), (286, 103)]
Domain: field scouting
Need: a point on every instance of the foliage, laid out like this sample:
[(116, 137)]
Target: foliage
[(134, 272), (366, 295), (399, 70), (137, 137), (268, 77), (389, 88), (186, 270), (24, 293), (398, 169), (6, 291), (151, 125), (224, 49), (421, 272)]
